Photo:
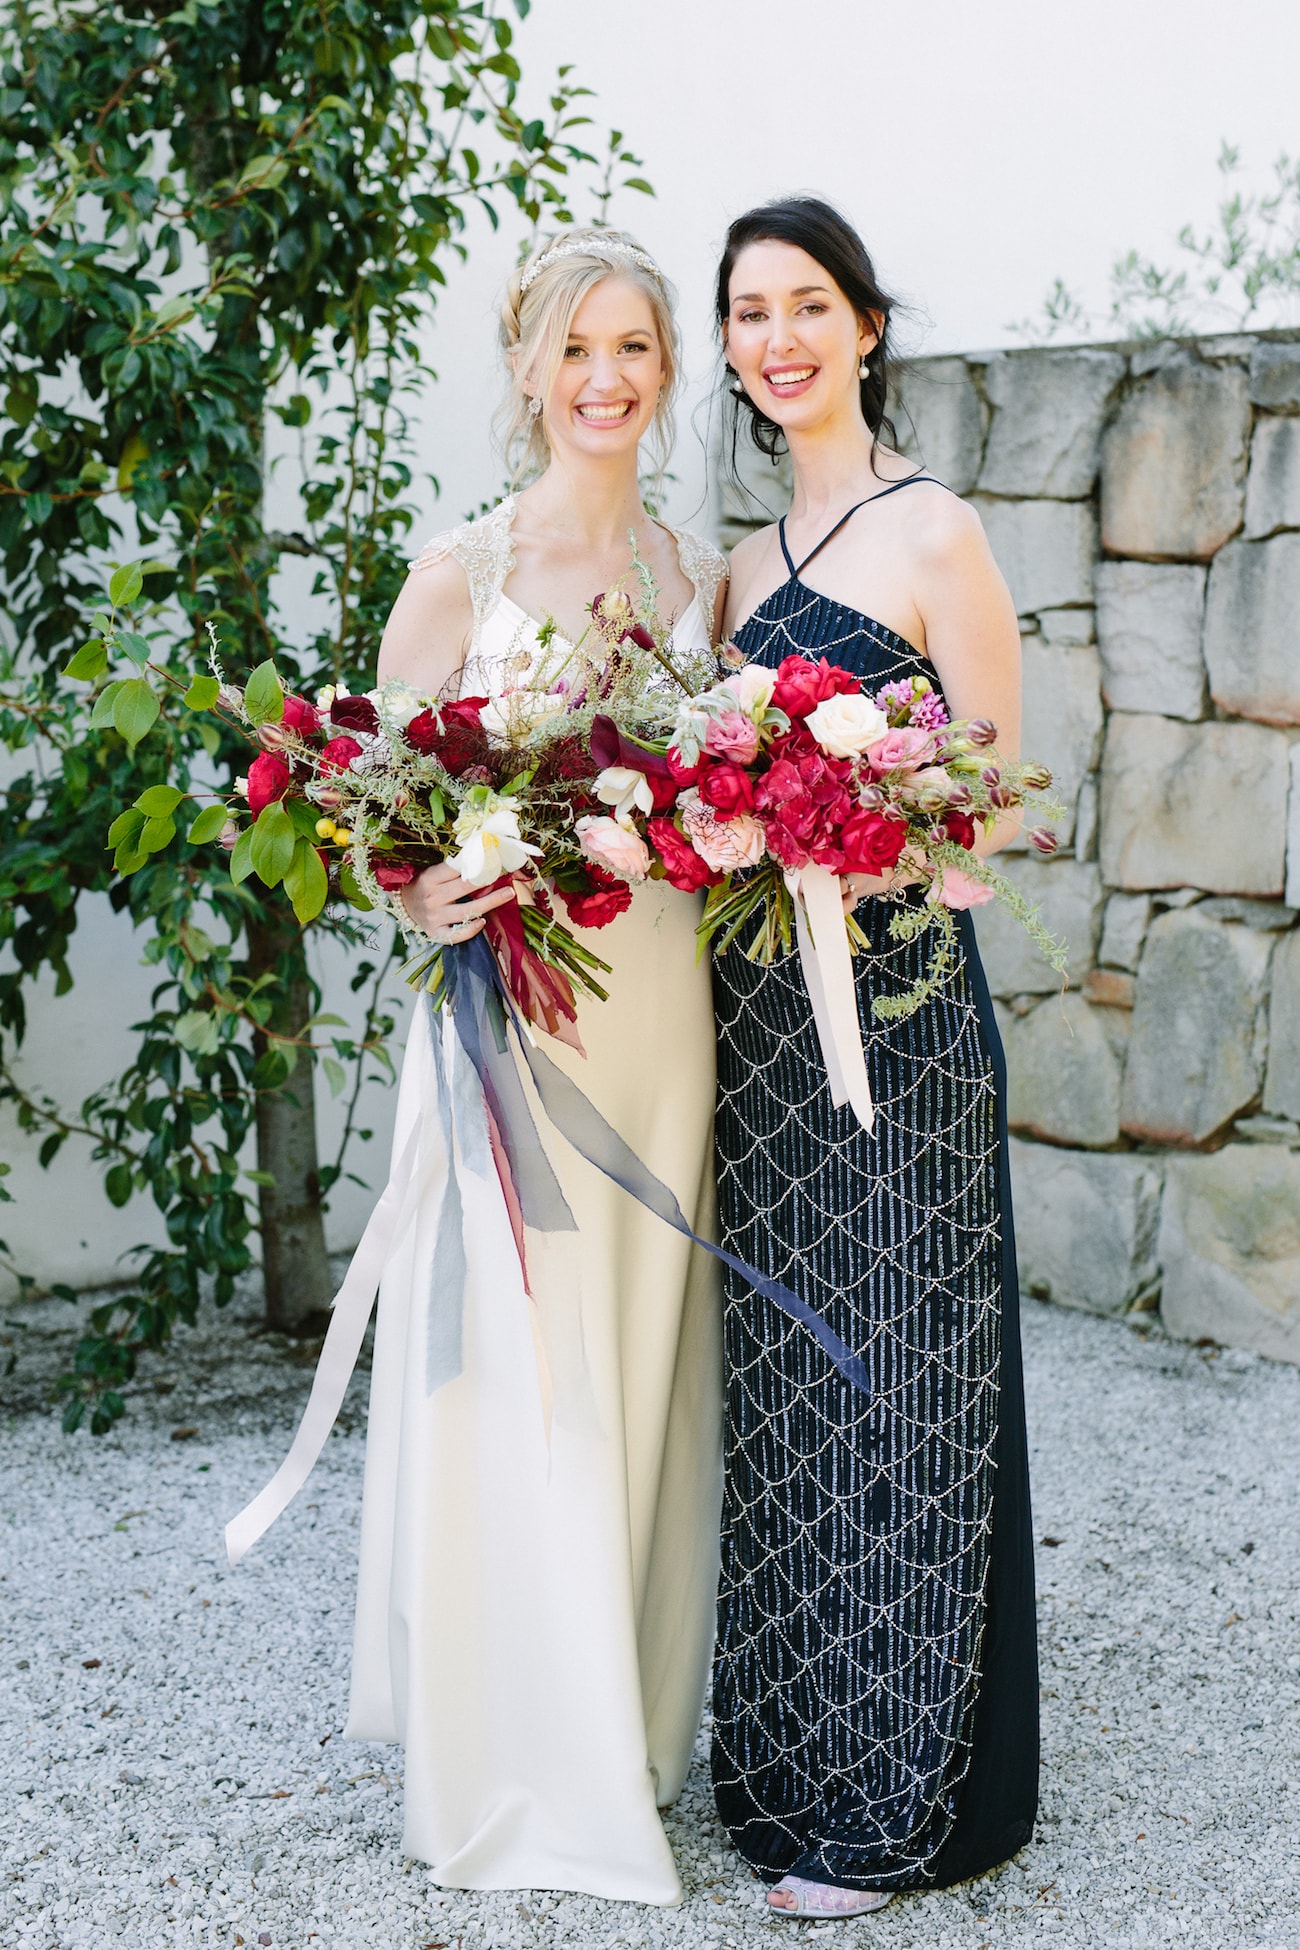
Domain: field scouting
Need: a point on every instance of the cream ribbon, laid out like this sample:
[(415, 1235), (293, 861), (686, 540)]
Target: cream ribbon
[(338, 1357), (828, 972)]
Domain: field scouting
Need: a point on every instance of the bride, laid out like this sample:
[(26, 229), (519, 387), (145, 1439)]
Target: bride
[(535, 1609)]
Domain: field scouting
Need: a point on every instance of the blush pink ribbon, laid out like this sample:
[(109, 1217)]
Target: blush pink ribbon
[(828, 972)]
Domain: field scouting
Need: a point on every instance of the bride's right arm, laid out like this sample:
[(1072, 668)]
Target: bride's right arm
[(426, 640), (429, 628)]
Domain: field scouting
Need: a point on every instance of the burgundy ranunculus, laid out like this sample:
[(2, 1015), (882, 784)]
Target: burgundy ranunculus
[(960, 828), (354, 714), (872, 842), (339, 754), (395, 875), (726, 788), (683, 867), (603, 899), (801, 684), (454, 735), (268, 780)]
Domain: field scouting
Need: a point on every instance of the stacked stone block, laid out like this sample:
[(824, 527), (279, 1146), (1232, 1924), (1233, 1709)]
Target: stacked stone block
[(1143, 502)]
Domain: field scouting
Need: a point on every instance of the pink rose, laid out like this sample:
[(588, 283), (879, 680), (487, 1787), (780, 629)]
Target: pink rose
[(961, 889), (612, 846), (732, 736), (724, 845), (901, 750)]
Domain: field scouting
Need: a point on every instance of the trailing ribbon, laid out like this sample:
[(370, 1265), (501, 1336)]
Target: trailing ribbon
[(828, 973), (482, 1012)]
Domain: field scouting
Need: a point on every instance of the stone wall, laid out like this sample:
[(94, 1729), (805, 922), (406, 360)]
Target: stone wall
[(1143, 502)]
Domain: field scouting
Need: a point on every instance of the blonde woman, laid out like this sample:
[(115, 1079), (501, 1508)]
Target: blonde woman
[(534, 1612)]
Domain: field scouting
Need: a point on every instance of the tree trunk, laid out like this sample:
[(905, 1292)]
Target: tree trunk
[(295, 1270)]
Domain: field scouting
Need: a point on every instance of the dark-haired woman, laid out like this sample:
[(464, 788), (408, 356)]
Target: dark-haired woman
[(875, 1684)]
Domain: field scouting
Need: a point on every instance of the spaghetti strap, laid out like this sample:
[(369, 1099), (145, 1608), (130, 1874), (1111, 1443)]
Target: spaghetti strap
[(789, 563), (893, 488)]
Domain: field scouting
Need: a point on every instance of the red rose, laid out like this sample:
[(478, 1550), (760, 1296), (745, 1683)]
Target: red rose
[(454, 735), (300, 716), (339, 754), (683, 867), (354, 714), (872, 841), (601, 902), (802, 685), (727, 789), (394, 876), (960, 828), (683, 774), (268, 780)]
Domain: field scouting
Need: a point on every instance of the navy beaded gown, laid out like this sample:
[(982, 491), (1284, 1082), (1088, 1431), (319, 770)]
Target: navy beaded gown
[(875, 1690)]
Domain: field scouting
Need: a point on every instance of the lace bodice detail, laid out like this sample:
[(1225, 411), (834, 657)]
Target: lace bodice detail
[(486, 552)]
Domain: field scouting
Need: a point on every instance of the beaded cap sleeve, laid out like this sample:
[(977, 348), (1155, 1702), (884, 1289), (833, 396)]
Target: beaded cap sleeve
[(486, 552), (704, 567)]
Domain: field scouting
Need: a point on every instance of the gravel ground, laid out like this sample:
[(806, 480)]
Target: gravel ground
[(172, 1771)]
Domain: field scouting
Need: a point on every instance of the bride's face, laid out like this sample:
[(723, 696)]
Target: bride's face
[(607, 388), (792, 337)]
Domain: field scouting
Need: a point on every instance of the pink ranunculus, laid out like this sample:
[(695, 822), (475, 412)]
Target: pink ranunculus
[(962, 889), (613, 846), (732, 736), (723, 844), (901, 750)]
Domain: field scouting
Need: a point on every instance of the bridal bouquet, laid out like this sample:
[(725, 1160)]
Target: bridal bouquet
[(777, 773)]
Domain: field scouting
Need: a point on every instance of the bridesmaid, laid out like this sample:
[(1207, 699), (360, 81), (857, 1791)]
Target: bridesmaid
[(534, 1612), (875, 1679)]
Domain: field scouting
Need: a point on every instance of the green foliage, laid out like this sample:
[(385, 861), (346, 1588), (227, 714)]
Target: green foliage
[(223, 228), (1243, 271)]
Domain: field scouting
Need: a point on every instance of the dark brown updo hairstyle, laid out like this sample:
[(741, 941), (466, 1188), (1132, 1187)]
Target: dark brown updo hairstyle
[(830, 239)]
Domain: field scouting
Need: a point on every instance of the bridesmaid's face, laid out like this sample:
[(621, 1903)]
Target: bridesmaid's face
[(607, 388), (792, 338)]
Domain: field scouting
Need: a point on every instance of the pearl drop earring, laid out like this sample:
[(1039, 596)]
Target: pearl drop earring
[(864, 370)]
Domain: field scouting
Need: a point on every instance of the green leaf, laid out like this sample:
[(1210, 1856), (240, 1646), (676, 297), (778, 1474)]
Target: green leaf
[(203, 692), (135, 709), (117, 1183), (306, 881), (263, 173), (125, 826), (126, 584), (270, 1070), (638, 183), (102, 715), (198, 1032), (134, 646), (304, 816), (159, 801), (173, 312), (264, 696), (89, 660), (210, 822), (73, 1415), (241, 856), (272, 844), (351, 892), (155, 834), (335, 1075)]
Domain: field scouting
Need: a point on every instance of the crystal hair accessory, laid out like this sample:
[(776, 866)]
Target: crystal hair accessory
[(589, 247)]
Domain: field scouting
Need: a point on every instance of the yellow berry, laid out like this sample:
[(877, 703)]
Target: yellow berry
[(325, 829), (342, 836)]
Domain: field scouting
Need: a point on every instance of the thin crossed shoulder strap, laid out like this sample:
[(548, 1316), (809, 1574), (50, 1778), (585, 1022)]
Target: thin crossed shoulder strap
[(894, 488)]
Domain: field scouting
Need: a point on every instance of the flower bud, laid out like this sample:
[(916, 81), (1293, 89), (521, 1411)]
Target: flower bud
[(871, 798), (959, 794), (1035, 778), (936, 836), (981, 731), (271, 737), (991, 775), (1043, 840), (1002, 797), (733, 658), (329, 796), (400, 800), (228, 837)]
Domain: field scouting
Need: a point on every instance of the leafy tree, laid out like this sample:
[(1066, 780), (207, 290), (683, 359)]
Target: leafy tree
[(1244, 271), (225, 223)]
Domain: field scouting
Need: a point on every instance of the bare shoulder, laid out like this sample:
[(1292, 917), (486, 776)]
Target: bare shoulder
[(941, 521), (750, 551), (429, 627)]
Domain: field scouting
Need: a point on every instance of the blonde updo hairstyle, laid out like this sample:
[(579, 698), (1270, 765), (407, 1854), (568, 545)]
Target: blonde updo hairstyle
[(535, 327)]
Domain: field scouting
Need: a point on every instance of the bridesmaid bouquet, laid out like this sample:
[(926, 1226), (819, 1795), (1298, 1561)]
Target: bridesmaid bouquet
[(781, 772)]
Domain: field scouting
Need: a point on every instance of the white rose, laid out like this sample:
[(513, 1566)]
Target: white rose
[(509, 716), (845, 725)]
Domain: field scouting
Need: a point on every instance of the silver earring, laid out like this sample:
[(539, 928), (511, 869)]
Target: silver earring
[(737, 387), (535, 406), (864, 370)]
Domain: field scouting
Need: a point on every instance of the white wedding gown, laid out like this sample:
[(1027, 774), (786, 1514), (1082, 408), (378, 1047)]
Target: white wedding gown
[(534, 1616)]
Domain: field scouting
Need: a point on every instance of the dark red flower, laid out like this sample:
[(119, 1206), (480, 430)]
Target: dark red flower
[(683, 866), (300, 716), (454, 735), (601, 901), (339, 754), (871, 841), (354, 714), (960, 828), (801, 684), (683, 774), (394, 875), (610, 746), (268, 780), (639, 635), (726, 788)]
